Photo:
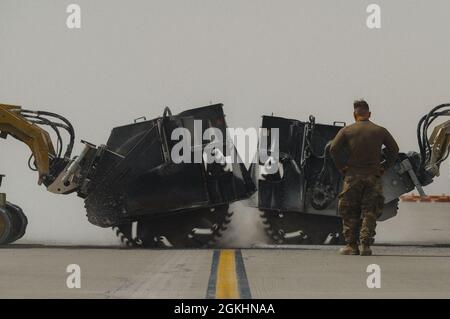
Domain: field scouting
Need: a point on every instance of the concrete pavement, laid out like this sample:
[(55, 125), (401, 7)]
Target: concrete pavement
[(275, 272), (413, 256)]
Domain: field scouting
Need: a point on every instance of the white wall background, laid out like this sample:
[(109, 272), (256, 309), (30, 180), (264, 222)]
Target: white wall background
[(290, 57)]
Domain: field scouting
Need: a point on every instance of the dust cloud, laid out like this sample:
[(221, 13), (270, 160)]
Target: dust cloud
[(417, 223), (245, 229)]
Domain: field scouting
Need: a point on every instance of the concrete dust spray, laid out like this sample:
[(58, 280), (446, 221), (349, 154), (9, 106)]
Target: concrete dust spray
[(245, 229)]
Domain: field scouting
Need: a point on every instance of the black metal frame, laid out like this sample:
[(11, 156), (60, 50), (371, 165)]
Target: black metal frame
[(134, 176)]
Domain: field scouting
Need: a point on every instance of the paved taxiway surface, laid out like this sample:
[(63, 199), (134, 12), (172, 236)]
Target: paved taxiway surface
[(413, 255), (406, 271)]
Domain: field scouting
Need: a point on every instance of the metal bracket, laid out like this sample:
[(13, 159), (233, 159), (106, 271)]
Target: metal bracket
[(2, 200), (2, 195), (406, 167), (140, 119), (65, 183), (339, 123)]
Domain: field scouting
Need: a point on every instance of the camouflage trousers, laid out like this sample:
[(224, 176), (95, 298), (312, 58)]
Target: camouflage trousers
[(360, 204)]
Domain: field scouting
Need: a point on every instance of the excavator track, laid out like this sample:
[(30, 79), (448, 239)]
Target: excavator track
[(197, 228), (302, 229)]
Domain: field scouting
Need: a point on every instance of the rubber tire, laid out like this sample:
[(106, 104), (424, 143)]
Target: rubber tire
[(6, 225), (16, 222)]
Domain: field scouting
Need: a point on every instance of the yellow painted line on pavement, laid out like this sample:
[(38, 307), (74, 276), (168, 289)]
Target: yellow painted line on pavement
[(227, 283), (228, 279)]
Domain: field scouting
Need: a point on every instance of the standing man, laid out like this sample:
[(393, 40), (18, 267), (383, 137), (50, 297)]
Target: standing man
[(361, 200)]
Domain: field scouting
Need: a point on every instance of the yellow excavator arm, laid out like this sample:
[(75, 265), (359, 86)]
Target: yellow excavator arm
[(38, 140), (440, 146)]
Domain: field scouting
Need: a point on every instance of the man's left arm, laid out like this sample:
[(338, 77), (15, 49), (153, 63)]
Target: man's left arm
[(391, 150), (336, 150)]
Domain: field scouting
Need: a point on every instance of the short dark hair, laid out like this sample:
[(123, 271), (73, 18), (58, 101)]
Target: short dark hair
[(361, 107)]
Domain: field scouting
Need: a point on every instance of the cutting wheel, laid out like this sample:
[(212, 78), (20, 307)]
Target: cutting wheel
[(184, 229), (302, 229)]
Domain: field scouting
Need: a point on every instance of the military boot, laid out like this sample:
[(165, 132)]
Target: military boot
[(365, 250), (349, 249)]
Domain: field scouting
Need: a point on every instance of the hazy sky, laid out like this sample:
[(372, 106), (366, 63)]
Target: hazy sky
[(292, 58)]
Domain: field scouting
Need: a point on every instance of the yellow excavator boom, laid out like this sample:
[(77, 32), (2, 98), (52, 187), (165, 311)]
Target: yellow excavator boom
[(38, 140), (440, 146)]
